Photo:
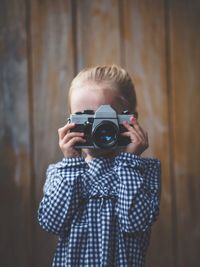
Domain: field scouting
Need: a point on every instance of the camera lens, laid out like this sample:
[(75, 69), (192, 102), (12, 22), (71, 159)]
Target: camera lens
[(105, 134)]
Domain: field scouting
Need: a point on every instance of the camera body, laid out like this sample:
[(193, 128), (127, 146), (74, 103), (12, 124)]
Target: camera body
[(102, 129)]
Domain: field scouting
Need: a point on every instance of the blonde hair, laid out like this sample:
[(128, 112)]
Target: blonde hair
[(114, 75)]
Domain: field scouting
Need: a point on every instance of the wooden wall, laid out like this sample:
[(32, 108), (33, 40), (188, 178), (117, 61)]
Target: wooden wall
[(43, 43)]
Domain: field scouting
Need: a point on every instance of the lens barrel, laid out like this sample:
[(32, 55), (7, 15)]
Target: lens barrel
[(105, 135)]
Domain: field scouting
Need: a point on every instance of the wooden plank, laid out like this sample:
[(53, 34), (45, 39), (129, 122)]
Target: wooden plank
[(15, 181), (53, 69), (185, 66), (98, 35), (144, 44)]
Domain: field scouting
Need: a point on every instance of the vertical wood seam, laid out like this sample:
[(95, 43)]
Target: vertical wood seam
[(121, 32), (171, 131), (74, 34), (31, 128)]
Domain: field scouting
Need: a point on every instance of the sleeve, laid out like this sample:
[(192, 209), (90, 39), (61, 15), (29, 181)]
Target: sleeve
[(62, 191), (138, 192)]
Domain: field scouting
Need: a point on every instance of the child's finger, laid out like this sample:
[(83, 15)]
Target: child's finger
[(133, 130), (133, 136), (75, 140), (138, 128), (71, 135), (63, 130), (136, 140)]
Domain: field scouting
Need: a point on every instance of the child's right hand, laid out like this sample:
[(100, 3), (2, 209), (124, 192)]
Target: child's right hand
[(68, 139)]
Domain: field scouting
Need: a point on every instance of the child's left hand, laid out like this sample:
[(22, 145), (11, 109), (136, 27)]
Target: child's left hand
[(139, 138)]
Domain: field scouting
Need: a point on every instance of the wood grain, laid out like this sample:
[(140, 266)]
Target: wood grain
[(43, 44), (98, 33), (15, 192), (185, 66), (144, 45), (53, 67)]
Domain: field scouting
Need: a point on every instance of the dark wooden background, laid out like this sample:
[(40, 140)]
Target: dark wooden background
[(43, 43)]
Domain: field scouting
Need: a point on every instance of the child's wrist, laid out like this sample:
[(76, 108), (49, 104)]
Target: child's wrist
[(73, 161)]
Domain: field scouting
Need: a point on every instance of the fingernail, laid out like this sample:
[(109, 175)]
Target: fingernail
[(133, 119)]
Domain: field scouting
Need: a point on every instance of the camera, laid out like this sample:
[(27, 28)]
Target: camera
[(102, 129)]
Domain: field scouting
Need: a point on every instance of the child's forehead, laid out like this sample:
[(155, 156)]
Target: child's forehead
[(92, 96), (94, 85)]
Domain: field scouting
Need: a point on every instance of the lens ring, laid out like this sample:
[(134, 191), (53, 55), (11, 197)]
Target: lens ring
[(105, 135)]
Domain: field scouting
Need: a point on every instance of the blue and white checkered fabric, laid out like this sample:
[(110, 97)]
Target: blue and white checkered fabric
[(102, 211)]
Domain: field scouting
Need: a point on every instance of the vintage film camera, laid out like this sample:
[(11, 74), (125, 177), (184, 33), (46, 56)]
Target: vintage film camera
[(102, 128)]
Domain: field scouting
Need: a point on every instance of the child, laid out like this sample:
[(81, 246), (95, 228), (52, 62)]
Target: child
[(101, 203)]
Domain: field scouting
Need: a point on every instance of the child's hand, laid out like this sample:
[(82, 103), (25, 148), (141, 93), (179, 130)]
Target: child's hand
[(68, 139), (139, 138)]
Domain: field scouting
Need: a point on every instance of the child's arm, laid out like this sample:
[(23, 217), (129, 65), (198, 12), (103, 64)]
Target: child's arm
[(62, 194), (138, 191), (62, 189)]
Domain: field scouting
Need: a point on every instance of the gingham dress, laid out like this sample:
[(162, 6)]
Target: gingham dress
[(102, 211)]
